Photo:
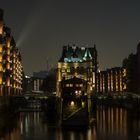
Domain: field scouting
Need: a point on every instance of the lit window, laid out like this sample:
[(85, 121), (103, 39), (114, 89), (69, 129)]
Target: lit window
[(1, 28), (8, 52), (124, 72), (68, 70), (8, 44), (80, 85), (8, 82), (71, 85), (63, 70), (0, 49), (8, 65), (0, 58), (67, 85), (0, 67), (8, 58), (0, 79), (77, 85)]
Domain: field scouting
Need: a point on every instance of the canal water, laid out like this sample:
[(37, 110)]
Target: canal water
[(112, 123)]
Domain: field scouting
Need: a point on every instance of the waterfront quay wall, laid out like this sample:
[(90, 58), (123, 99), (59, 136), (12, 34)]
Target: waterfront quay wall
[(7, 114), (52, 107), (128, 102), (9, 105), (72, 116)]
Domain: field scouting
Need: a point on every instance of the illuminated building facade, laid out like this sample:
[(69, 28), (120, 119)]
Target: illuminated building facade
[(74, 87), (33, 84), (11, 69), (80, 63), (37, 84), (111, 81), (38, 80)]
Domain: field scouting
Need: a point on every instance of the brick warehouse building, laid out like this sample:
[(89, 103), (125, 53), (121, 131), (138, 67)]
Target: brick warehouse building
[(11, 69), (79, 62), (111, 81)]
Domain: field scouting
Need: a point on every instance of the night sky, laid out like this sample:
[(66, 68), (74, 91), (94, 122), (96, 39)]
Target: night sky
[(42, 27)]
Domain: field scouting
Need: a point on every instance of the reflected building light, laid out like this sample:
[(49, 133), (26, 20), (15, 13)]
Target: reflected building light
[(35, 120), (94, 133), (26, 125), (109, 120), (97, 116), (81, 137), (58, 135), (121, 121), (21, 128), (89, 134), (72, 136), (101, 119), (104, 121), (117, 127), (38, 117), (125, 122), (12, 136), (112, 120)]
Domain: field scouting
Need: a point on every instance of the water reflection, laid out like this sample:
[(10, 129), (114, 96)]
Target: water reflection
[(32, 125), (111, 123)]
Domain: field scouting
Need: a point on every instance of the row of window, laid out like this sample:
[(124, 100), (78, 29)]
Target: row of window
[(76, 85)]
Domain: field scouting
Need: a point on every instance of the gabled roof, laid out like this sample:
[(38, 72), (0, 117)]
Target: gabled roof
[(77, 54)]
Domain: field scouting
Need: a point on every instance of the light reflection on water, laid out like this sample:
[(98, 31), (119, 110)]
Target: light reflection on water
[(111, 123)]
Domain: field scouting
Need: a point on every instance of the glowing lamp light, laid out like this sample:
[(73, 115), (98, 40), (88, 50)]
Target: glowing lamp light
[(83, 104), (76, 91), (72, 103)]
